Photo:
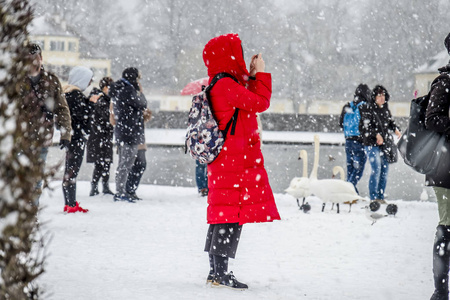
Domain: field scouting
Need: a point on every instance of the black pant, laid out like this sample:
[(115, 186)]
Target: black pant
[(101, 170), (74, 158), (135, 175), (223, 239), (221, 244)]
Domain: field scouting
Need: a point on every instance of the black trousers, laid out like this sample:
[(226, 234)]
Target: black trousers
[(74, 158), (101, 170), (223, 239)]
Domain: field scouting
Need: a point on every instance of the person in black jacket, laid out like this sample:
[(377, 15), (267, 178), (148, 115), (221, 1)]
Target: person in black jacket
[(437, 119), (79, 79), (99, 148), (129, 104), (349, 122), (376, 121)]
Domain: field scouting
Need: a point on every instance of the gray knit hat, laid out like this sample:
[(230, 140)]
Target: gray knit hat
[(80, 77)]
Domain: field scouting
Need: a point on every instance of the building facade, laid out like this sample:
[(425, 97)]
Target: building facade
[(61, 49)]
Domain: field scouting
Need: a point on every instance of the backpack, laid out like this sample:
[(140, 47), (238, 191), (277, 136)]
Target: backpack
[(351, 120), (204, 139)]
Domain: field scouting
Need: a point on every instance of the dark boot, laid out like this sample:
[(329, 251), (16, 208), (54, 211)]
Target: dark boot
[(220, 265), (94, 189), (441, 263), (106, 190), (211, 276), (70, 193), (229, 281)]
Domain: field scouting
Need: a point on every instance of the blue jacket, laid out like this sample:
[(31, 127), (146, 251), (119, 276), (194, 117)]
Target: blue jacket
[(129, 105)]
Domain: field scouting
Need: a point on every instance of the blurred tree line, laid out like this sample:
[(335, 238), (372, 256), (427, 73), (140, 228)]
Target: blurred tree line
[(317, 49)]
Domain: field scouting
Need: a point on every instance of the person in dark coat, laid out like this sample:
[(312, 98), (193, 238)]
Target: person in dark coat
[(129, 104), (354, 148), (437, 119), (47, 106), (79, 79), (376, 121), (99, 148)]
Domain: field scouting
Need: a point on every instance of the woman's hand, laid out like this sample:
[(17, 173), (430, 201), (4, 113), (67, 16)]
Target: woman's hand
[(257, 64), (94, 98), (398, 133), (380, 139)]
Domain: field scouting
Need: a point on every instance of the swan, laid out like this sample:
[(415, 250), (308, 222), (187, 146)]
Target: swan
[(299, 186), (340, 170), (330, 190)]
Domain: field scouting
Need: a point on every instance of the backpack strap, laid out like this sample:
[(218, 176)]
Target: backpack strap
[(217, 78), (233, 119)]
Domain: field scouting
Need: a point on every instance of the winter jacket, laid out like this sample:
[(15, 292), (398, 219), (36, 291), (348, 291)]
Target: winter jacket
[(239, 190), (375, 119), (129, 105), (362, 94), (79, 111), (437, 119), (99, 145), (46, 104)]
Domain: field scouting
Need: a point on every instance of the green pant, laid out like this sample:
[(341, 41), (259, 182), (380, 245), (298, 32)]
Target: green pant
[(443, 200)]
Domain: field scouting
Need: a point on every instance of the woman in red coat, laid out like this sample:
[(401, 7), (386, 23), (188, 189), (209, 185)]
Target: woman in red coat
[(239, 190)]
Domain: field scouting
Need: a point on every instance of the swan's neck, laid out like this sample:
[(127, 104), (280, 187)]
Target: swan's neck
[(304, 157), (316, 158), (339, 170)]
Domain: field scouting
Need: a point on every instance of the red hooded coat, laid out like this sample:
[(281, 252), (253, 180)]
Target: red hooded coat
[(239, 190)]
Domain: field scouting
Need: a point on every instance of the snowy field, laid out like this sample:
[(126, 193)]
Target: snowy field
[(153, 249)]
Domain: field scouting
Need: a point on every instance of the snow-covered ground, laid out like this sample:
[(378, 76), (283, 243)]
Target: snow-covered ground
[(153, 249)]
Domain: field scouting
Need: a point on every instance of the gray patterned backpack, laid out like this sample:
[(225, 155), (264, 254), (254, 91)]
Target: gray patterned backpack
[(204, 139)]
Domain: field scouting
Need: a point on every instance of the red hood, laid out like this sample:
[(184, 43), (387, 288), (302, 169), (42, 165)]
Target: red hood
[(224, 54)]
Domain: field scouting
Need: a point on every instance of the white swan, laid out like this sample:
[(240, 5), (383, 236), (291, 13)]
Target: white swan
[(299, 186), (340, 170), (330, 190)]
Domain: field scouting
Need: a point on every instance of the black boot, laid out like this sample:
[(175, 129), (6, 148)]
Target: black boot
[(94, 189), (229, 281), (106, 190), (70, 193), (441, 263)]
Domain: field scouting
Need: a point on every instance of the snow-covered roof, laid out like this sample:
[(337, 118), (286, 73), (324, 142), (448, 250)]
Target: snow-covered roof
[(439, 60), (54, 26), (45, 25)]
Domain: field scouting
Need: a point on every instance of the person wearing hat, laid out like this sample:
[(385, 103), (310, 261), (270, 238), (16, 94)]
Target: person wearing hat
[(349, 122), (374, 126), (48, 106), (129, 106), (239, 189), (99, 149), (437, 119), (79, 79)]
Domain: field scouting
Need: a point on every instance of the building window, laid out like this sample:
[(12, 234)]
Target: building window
[(56, 45), (72, 47)]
